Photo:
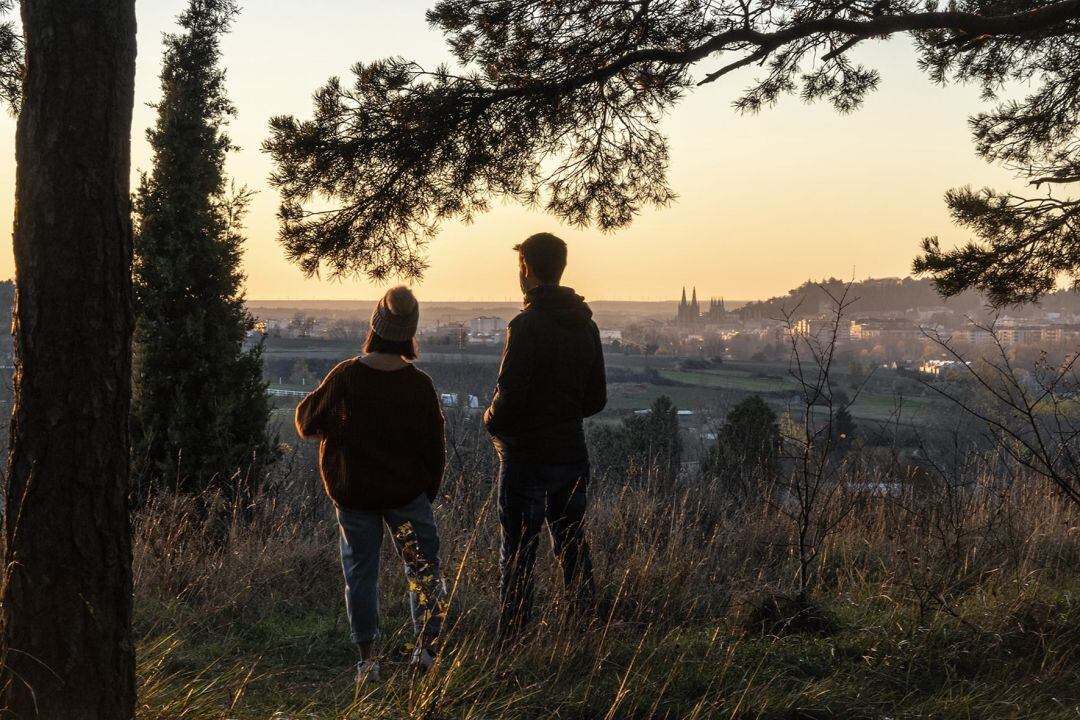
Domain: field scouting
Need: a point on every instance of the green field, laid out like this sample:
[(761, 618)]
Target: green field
[(734, 380), (703, 390), (711, 389), (638, 396), (885, 408)]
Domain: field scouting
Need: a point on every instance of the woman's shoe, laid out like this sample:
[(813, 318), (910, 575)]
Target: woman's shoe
[(422, 659), (367, 671)]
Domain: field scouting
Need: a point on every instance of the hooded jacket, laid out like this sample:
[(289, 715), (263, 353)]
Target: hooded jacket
[(551, 377)]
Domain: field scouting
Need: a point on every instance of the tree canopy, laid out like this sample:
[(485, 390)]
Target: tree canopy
[(557, 104), (747, 449), (12, 62), (645, 445)]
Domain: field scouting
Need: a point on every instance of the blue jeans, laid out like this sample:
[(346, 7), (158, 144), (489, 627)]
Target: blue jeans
[(412, 529), (529, 496)]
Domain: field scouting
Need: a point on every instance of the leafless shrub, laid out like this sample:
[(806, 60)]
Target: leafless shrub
[(811, 493), (1032, 418)]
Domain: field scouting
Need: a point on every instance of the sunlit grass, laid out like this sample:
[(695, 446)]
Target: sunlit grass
[(243, 616)]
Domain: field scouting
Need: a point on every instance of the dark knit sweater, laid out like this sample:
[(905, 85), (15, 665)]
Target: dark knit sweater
[(381, 432)]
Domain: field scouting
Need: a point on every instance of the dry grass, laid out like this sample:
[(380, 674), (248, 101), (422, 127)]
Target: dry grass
[(935, 604)]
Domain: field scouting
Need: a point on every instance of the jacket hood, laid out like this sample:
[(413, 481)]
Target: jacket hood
[(561, 302)]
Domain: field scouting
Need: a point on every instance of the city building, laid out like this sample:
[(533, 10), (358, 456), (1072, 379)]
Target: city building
[(716, 313), (940, 367), (689, 312), (1060, 333), (970, 335), (455, 335), (610, 336), (880, 328), (487, 325), (487, 331)]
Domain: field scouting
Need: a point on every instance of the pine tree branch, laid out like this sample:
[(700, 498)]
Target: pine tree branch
[(968, 25)]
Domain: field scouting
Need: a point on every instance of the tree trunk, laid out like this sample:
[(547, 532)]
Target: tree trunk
[(67, 596)]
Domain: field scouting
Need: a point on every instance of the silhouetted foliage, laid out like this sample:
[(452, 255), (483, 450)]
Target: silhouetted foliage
[(1024, 242), (7, 299), (200, 407), (843, 428), (810, 493), (747, 449), (643, 446), (557, 105), (874, 296), (12, 62)]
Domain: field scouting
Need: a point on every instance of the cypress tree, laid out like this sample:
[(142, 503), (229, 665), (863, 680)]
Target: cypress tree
[(199, 404)]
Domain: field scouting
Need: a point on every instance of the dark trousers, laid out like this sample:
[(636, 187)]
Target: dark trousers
[(530, 495)]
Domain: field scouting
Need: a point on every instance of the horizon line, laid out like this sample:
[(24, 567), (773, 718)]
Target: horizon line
[(485, 300)]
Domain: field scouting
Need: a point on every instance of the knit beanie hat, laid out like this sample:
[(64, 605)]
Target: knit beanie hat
[(396, 316)]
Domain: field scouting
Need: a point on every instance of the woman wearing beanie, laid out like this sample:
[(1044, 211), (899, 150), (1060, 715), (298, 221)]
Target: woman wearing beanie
[(381, 457)]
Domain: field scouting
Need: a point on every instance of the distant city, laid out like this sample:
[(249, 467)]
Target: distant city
[(892, 320), (700, 349)]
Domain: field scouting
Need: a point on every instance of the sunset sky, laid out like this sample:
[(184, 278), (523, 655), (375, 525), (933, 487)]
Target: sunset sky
[(765, 201)]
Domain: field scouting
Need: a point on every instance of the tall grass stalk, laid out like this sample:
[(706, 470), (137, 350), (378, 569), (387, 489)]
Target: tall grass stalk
[(944, 603)]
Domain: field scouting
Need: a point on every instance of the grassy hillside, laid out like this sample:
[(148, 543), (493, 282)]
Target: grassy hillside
[(921, 606)]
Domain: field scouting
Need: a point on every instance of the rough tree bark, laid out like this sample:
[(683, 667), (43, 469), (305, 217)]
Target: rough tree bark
[(67, 596)]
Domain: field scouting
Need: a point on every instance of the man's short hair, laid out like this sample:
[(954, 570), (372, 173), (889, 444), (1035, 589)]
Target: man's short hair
[(545, 254)]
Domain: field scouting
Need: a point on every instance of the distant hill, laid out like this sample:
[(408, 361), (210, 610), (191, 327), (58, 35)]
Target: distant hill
[(872, 296), (894, 295)]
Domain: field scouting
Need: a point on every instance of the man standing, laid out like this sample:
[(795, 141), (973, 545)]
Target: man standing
[(551, 377)]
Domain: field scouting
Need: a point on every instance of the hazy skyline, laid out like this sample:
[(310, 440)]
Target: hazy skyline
[(765, 201)]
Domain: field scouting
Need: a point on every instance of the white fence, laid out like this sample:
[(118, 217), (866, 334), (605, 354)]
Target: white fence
[(276, 392)]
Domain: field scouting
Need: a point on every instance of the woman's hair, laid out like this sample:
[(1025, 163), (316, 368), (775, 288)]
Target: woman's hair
[(405, 348)]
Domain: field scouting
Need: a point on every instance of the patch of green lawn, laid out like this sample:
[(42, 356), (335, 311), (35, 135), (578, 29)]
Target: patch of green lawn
[(639, 396), (731, 380)]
